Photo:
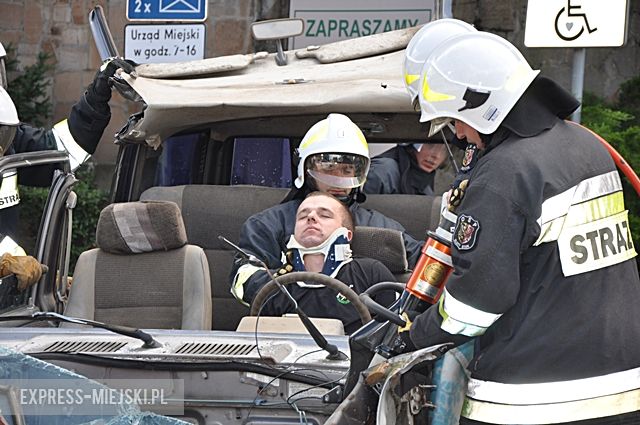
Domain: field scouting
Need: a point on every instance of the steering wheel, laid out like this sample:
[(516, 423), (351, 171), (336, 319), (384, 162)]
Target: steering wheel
[(383, 313), (267, 290)]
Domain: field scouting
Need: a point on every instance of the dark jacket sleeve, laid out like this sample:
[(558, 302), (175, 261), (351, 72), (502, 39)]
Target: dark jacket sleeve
[(265, 236), (486, 277), (383, 176), (34, 139), (88, 119)]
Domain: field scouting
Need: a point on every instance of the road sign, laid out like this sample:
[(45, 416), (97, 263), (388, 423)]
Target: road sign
[(167, 10), (333, 20), (576, 23), (164, 43)]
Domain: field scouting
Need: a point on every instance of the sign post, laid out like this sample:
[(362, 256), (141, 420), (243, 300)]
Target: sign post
[(577, 24), (176, 39)]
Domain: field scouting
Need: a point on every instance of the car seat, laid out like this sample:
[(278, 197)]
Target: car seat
[(143, 273)]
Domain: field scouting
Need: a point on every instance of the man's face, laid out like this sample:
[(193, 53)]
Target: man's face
[(316, 219), (431, 156), (465, 131), (338, 170)]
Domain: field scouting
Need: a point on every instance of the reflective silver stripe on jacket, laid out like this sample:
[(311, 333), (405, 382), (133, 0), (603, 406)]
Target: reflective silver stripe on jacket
[(460, 318), (554, 392), (571, 207), (553, 413), (553, 402), (66, 142)]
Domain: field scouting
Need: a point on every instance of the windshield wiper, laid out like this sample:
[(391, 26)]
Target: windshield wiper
[(46, 316)]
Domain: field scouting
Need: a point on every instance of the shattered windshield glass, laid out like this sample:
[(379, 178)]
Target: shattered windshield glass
[(36, 392)]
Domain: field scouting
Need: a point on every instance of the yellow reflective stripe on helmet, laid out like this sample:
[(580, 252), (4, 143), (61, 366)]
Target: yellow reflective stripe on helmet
[(361, 137), (242, 275), (460, 318), (521, 75), (410, 78), (320, 134), (592, 199), (432, 96)]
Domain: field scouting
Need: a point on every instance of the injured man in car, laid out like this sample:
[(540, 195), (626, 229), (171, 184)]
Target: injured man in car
[(323, 231)]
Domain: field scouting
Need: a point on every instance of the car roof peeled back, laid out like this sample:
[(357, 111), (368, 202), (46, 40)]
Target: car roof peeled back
[(361, 75)]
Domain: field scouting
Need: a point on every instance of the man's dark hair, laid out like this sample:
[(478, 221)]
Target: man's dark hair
[(348, 220)]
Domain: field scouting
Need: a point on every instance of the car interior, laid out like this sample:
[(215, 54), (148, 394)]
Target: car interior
[(221, 175)]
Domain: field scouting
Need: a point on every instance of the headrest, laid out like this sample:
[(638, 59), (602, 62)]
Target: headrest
[(384, 245), (136, 227)]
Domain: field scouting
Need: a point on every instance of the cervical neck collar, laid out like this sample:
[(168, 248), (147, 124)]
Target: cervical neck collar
[(336, 251)]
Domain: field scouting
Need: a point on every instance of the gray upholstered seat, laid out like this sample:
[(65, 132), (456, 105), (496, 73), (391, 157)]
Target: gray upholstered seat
[(143, 273), (385, 245), (211, 211)]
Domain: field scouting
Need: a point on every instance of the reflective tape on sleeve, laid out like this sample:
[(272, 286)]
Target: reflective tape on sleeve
[(242, 275), (554, 392), (8, 245), (463, 319), (66, 142)]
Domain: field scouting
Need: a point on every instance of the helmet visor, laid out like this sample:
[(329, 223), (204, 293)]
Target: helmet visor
[(340, 170), (7, 133)]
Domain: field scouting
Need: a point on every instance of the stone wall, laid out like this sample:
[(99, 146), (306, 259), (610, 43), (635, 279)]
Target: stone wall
[(60, 28)]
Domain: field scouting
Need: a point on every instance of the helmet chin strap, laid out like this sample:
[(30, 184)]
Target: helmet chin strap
[(336, 251)]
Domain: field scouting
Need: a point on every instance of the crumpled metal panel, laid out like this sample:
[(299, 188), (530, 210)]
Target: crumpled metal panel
[(372, 84)]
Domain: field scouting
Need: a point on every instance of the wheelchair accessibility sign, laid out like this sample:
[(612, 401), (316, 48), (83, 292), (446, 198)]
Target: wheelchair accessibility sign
[(167, 10), (576, 23)]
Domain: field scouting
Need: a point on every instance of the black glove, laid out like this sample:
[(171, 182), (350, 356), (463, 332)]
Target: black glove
[(99, 91)]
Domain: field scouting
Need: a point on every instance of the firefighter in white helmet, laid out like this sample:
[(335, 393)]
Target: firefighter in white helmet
[(333, 157), (78, 136), (418, 168), (544, 273)]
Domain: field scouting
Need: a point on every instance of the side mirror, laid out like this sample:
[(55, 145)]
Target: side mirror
[(277, 29)]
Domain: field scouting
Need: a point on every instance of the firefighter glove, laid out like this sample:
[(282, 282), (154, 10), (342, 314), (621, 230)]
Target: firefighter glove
[(99, 90), (26, 268)]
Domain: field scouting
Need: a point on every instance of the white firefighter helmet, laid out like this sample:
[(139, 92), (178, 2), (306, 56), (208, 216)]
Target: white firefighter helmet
[(421, 46), (3, 69), (476, 78), (335, 152), (8, 121), (8, 112)]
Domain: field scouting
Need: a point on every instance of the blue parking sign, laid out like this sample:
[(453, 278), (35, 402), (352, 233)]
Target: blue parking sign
[(167, 10)]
